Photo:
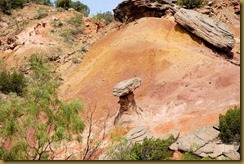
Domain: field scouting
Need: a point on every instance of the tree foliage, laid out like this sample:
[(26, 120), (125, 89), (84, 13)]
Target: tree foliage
[(42, 2), (230, 125), (107, 17), (65, 4), (78, 6), (7, 5), (191, 4), (33, 125)]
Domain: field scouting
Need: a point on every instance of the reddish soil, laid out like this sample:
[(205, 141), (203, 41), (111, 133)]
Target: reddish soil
[(185, 84)]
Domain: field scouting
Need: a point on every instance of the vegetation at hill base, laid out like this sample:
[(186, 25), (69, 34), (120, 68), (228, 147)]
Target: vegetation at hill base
[(107, 17), (12, 81), (149, 149), (38, 123), (7, 5), (191, 4), (230, 125)]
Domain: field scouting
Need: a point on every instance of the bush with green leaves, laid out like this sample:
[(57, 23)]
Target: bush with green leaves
[(78, 6), (230, 125), (7, 5), (42, 2), (107, 17), (38, 124), (65, 4), (149, 149), (191, 4), (12, 81), (41, 13), (76, 20)]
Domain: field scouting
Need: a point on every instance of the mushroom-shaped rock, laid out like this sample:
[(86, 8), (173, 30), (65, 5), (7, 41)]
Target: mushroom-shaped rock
[(128, 109), (126, 86)]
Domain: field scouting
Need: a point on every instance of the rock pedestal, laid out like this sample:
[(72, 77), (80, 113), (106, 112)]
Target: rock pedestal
[(128, 109)]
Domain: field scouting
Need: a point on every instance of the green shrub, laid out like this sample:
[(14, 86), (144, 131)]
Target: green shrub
[(152, 149), (41, 13), (65, 4), (42, 2), (191, 4), (12, 82), (76, 20), (57, 24), (149, 149), (7, 5), (230, 125), (106, 16), (80, 7), (68, 35), (190, 156)]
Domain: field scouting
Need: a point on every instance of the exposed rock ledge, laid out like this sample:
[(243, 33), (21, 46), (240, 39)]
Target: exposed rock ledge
[(130, 10), (213, 31)]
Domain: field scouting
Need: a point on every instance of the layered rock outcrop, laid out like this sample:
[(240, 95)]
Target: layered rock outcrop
[(213, 31), (130, 10), (128, 108), (205, 142)]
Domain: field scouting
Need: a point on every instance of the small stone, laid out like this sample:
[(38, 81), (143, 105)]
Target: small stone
[(174, 146)]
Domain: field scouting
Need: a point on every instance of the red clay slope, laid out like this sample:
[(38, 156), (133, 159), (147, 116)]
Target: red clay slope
[(185, 85)]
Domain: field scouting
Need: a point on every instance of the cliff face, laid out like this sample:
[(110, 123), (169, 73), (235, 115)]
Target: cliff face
[(185, 84)]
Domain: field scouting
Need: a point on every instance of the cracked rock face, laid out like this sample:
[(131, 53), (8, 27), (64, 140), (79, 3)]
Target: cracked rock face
[(204, 142), (128, 110), (130, 10), (214, 32)]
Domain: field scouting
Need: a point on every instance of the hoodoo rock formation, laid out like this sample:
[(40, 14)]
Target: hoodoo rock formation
[(124, 90), (130, 10), (214, 32)]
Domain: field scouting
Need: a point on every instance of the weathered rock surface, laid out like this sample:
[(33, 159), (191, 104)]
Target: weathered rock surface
[(126, 86), (204, 142), (128, 109), (232, 155), (129, 10), (137, 134), (214, 32), (173, 132)]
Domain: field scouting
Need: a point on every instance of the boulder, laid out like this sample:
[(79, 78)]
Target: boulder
[(137, 134), (213, 31), (130, 10), (197, 139), (205, 142), (219, 149), (126, 86), (232, 155)]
